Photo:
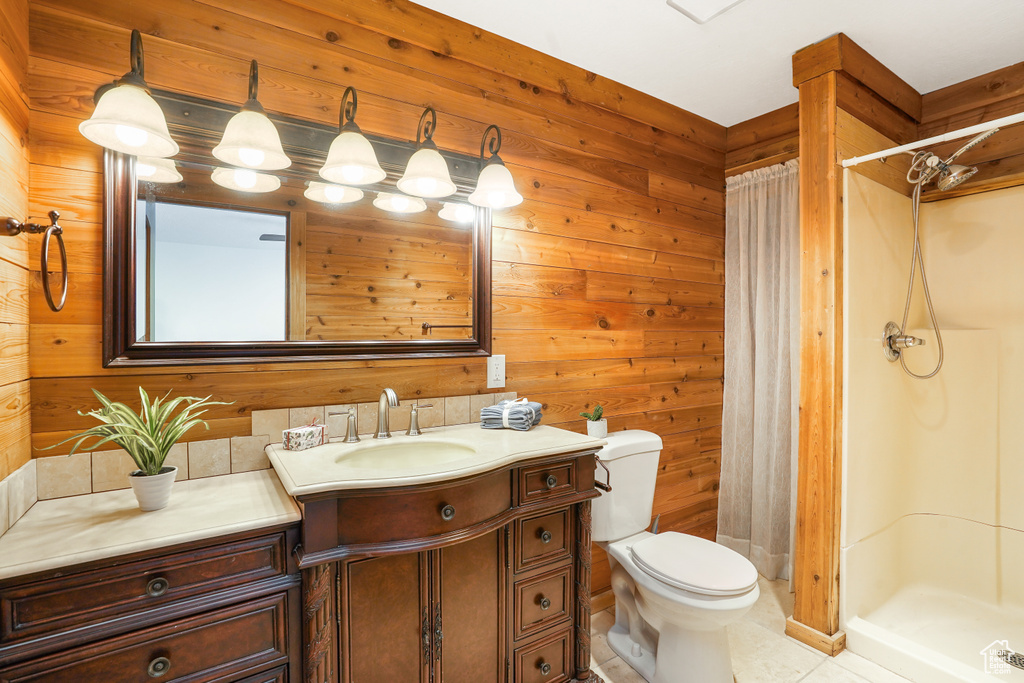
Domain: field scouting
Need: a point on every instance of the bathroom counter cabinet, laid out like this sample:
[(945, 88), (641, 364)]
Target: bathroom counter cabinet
[(485, 578)]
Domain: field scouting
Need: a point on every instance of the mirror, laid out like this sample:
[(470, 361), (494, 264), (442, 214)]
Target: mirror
[(199, 273)]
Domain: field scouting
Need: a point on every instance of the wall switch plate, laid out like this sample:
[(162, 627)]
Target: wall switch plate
[(496, 371)]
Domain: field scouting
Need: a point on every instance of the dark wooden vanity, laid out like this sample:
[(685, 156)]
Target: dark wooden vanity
[(223, 610), (485, 578)]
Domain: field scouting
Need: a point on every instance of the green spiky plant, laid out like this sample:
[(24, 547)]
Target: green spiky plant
[(147, 435), (596, 415)]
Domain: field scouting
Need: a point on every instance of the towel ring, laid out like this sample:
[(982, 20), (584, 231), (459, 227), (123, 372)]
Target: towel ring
[(16, 227)]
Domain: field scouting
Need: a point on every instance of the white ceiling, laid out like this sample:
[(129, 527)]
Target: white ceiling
[(738, 65)]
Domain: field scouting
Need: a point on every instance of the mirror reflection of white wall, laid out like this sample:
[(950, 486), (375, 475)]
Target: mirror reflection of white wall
[(210, 275)]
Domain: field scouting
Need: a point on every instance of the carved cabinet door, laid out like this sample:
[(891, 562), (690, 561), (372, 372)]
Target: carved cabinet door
[(436, 616)]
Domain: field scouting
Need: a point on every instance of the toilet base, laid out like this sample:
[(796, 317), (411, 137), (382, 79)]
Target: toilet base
[(683, 656)]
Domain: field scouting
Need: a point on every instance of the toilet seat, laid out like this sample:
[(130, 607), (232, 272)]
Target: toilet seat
[(694, 564)]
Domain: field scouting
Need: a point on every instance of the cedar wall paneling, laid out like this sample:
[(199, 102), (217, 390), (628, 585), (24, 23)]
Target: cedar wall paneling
[(608, 279), (766, 140), (14, 251)]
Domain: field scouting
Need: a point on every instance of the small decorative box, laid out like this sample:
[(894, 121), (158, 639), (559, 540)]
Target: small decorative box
[(301, 438)]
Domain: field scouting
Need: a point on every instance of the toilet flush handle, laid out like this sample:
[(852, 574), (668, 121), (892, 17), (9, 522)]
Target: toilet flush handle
[(600, 485)]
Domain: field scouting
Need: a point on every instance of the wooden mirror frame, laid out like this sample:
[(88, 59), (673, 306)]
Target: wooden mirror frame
[(193, 122)]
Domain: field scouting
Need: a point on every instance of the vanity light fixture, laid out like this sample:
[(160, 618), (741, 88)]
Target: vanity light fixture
[(351, 159), (399, 203), (250, 138), (153, 170), (495, 188), (457, 212), (426, 174), (127, 119), (329, 193), (245, 180)]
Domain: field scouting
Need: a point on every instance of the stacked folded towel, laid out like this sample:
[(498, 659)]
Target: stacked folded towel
[(520, 415)]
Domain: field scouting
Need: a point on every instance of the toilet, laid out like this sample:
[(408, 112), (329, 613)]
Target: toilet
[(674, 593)]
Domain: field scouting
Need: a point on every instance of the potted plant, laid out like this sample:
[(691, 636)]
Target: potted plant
[(147, 436), (597, 426)]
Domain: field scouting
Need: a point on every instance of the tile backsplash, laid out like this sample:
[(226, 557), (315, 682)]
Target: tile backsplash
[(62, 476)]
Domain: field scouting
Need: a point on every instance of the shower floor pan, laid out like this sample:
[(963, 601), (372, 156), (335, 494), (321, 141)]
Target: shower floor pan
[(934, 636)]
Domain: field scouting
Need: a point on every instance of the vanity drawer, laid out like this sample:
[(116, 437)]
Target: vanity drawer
[(381, 517), (542, 601), (86, 598), (225, 644), (542, 539), (541, 482), (544, 661)]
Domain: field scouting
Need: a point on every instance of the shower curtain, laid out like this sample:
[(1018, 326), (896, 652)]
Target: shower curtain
[(762, 352)]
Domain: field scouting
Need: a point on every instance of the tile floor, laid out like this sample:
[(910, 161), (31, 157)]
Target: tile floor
[(761, 652)]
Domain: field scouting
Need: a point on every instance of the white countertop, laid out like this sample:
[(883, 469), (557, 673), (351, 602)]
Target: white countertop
[(68, 531), (340, 466)]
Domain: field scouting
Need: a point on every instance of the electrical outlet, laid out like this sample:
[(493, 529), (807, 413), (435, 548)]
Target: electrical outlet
[(495, 372)]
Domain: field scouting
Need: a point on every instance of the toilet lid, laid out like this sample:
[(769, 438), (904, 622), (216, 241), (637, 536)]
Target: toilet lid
[(694, 564)]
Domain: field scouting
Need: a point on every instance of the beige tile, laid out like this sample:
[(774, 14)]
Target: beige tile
[(761, 656), (209, 458), (830, 672), (433, 416), (476, 403), (337, 424), (248, 454), (773, 606), (300, 417), (456, 410), (600, 623), (62, 476), (506, 396), (110, 470), (178, 457), (4, 508), (22, 496), (366, 418), (617, 671), (270, 423)]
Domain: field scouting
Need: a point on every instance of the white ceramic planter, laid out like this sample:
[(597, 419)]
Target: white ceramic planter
[(597, 428), (154, 492)]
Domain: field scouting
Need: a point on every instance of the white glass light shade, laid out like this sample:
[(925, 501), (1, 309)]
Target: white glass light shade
[(352, 161), (457, 213), (426, 175), (399, 203), (128, 120), (152, 170), (495, 188), (244, 180), (251, 141), (332, 194)]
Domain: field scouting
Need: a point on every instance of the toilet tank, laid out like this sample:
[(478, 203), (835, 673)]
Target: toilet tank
[(632, 458)]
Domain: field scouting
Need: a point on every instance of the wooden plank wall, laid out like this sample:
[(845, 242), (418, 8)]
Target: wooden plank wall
[(766, 140), (1000, 159), (14, 251), (608, 279)]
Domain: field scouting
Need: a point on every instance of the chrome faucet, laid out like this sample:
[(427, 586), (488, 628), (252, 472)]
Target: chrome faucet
[(388, 398)]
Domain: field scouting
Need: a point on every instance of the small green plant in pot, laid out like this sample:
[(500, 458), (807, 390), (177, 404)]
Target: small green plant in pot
[(597, 425), (147, 436)]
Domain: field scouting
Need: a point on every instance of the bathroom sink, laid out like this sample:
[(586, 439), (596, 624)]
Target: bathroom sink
[(404, 455)]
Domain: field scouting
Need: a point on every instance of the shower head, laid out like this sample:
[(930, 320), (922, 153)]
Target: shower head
[(954, 174)]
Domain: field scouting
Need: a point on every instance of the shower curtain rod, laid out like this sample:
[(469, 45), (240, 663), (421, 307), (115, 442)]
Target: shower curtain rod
[(945, 137)]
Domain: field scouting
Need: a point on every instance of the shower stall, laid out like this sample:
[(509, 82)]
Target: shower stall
[(932, 541)]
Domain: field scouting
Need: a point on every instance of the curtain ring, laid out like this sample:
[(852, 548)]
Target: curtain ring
[(54, 229)]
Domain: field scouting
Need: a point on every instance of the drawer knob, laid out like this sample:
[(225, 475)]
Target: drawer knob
[(545, 537), (545, 603), (158, 667), (157, 587), (448, 513), (545, 668), (551, 481)]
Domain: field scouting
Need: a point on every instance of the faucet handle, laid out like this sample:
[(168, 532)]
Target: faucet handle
[(414, 418), (350, 427)]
